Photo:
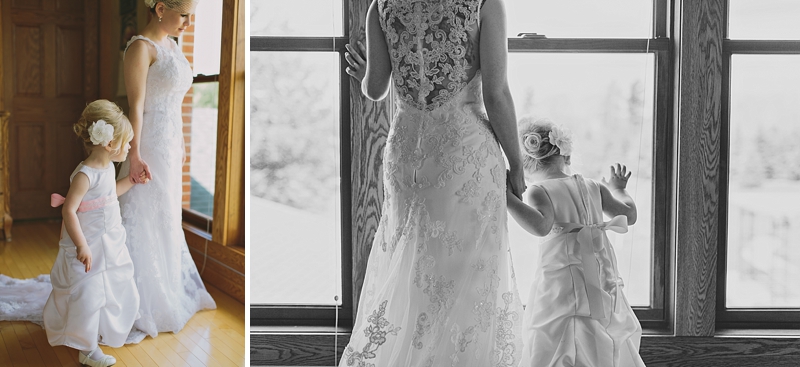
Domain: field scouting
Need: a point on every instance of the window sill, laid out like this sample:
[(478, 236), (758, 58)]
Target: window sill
[(758, 333), (300, 330)]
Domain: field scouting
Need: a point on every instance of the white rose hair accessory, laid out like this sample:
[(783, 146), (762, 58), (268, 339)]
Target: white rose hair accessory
[(562, 138), (101, 133), (150, 3)]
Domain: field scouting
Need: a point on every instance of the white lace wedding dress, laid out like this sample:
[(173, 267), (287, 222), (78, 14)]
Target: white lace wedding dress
[(170, 287), (439, 287)]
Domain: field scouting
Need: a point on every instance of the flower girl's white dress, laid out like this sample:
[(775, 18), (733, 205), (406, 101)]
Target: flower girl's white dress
[(169, 283), (103, 302), (577, 314)]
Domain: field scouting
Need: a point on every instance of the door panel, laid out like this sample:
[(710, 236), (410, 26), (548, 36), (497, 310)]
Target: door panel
[(50, 74)]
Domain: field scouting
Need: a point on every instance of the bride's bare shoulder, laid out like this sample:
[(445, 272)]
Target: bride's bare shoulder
[(141, 49)]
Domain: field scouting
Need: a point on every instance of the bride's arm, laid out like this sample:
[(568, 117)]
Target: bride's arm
[(496, 94), (379, 67), (137, 62)]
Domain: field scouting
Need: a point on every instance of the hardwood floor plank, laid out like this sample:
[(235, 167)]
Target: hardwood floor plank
[(42, 345), (5, 356), (125, 355)]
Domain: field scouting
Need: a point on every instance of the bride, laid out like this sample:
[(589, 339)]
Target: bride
[(439, 288), (157, 77)]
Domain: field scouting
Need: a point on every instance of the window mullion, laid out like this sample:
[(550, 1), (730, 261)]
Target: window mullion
[(588, 45)]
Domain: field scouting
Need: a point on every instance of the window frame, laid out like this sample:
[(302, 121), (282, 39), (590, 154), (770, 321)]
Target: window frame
[(226, 227), (320, 315), (655, 317), (191, 216), (742, 318)]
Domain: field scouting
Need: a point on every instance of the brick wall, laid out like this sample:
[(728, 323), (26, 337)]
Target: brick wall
[(187, 45)]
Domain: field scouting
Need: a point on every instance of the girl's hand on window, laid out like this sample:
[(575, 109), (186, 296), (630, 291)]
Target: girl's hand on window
[(619, 177), (358, 64)]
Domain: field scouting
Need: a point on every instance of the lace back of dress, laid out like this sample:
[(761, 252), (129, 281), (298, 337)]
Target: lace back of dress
[(433, 47)]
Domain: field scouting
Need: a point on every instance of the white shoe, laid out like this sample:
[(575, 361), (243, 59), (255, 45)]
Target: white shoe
[(106, 361)]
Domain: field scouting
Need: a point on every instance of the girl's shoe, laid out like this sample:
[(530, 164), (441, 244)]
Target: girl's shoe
[(105, 361)]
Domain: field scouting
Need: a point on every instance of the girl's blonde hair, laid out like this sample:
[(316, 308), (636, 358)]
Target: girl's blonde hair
[(538, 152), (112, 115)]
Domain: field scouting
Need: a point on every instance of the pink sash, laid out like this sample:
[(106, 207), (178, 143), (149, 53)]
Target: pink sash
[(57, 200)]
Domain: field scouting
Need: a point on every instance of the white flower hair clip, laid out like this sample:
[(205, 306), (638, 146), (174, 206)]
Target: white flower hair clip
[(150, 3), (562, 138), (101, 133)]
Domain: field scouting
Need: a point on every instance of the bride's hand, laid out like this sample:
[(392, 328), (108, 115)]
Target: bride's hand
[(516, 181), (139, 169), (358, 63)]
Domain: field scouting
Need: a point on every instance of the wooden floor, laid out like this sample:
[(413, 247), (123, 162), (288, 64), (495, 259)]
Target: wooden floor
[(211, 338)]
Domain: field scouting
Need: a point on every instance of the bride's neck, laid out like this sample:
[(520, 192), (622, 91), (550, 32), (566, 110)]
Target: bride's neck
[(154, 32)]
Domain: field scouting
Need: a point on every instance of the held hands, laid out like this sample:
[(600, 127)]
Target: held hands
[(139, 170), (84, 255), (143, 178), (515, 183), (358, 63), (619, 177)]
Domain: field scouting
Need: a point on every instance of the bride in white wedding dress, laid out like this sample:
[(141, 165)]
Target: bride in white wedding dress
[(439, 288), (157, 77)]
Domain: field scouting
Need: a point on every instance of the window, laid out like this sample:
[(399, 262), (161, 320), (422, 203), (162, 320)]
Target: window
[(201, 45), (299, 165), (599, 69), (595, 73), (758, 255)]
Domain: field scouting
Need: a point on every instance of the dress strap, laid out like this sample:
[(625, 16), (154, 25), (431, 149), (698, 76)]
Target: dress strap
[(143, 38)]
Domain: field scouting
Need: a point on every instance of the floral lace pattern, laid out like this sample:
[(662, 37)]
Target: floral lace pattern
[(376, 333), (431, 47)]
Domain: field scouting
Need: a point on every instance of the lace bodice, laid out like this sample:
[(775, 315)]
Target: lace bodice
[(432, 45), (168, 79)]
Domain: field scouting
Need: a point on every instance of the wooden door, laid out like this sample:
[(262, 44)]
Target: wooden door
[(50, 51)]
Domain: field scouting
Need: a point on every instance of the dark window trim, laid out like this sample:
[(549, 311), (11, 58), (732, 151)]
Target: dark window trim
[(197, 219), (202, 78), (742, 318)]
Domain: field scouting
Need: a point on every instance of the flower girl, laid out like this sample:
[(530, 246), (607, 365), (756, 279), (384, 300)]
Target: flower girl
[(577, 314), (94, 297)]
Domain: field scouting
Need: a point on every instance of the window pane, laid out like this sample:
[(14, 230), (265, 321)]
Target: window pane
[(296, 18), (597, 96), (767, 20), (294, 178), (207, 36), (203, 146), (580, 18), (764, 183)]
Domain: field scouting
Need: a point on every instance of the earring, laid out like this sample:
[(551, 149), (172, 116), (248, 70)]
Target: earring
[(159, 19)]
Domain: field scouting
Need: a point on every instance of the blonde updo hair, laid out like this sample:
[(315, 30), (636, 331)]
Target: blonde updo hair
[(112, 115), (177, 5), (538, 152)]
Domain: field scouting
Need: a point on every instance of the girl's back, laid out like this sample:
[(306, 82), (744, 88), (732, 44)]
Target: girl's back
[(574, 199), (567, 323)]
